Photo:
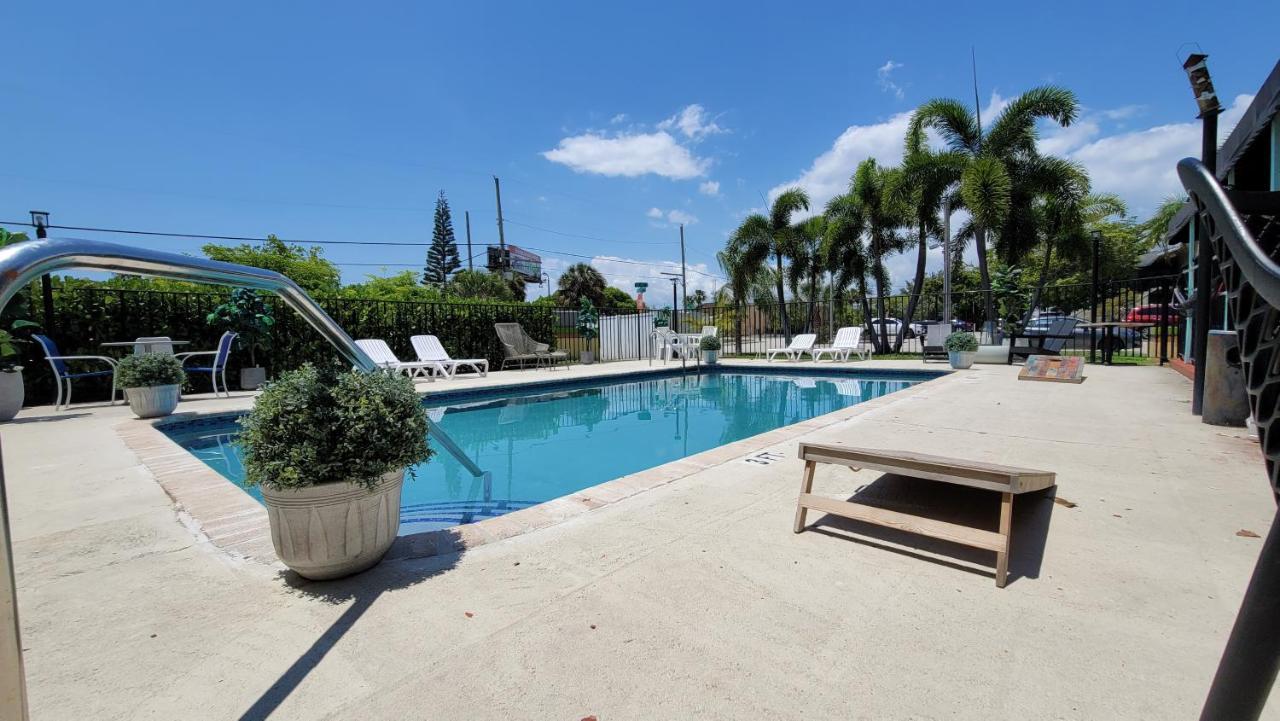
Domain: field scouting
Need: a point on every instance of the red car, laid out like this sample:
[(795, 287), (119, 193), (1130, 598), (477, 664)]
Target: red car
[(1152, 314)]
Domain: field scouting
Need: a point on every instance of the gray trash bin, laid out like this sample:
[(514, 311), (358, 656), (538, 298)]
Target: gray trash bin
[(1225, 400)]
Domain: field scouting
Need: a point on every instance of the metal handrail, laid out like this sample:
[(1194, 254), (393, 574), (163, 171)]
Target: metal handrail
[(1251, 659), (22, 263)]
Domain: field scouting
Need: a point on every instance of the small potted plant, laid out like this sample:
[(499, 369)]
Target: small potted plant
[(152, 382), (710, 347), (961, 348), (329, 450), (246, 314), (11, 391), (588, 328)]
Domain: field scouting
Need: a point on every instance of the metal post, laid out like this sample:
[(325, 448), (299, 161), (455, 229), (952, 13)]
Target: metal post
[(1093, 297), (470, 265), (502, 238), (40, 219), (1204, 268), (684, 280), (1164, 324), (946, 260)]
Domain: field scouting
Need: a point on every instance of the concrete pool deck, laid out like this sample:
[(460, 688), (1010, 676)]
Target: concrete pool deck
[(691, 599)]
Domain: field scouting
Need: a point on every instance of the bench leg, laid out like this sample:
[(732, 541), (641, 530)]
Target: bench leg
[(1006, 526), (806, 485)]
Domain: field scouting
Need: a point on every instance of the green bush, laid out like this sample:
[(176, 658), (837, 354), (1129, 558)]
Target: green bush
[(315, 426), (709, 342), (148, 370), (961, 342)]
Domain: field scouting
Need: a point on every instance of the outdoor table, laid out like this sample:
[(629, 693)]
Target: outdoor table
[(146, 344), (1108, 332)]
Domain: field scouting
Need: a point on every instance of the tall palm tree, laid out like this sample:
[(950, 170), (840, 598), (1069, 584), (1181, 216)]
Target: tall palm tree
[(578, 281), (994, 187), (807, 263), (927, 177), (759, 236), (880, 213), (1066, 222)]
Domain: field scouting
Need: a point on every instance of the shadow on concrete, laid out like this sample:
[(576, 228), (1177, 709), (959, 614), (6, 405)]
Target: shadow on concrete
[(974, 507), (395, 572), (58, 416)]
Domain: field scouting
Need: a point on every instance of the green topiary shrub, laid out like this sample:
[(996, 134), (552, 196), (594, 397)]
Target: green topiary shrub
[(314, 426), (709, 342), (961, 342), (148, 370)]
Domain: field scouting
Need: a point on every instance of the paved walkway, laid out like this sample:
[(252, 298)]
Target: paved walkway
[(691, 600)]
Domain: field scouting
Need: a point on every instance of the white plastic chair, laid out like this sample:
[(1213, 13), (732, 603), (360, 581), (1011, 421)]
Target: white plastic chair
[(800, 345), (671, 344), (848, 341), (430, 350), (381, 353)]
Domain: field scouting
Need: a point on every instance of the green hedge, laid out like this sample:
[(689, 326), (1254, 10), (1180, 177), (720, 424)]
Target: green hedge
[(86, 317)]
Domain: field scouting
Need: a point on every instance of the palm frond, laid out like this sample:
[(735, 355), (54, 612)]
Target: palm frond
[(953, 120)]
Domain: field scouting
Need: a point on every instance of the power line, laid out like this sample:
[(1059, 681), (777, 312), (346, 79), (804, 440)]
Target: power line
[(587, 237)]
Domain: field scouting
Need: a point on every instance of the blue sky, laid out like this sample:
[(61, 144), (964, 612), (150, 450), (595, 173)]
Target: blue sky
[(607, 124)]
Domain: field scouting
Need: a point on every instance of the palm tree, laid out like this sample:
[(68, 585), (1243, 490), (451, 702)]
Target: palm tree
[(872, 206), (578, 281), (807, 263), (993, 185), (758, 237), (926, 178)]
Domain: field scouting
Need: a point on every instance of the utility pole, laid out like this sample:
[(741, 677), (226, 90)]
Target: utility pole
[(470, 265), (502, 238), (946, 261), (684, 279)]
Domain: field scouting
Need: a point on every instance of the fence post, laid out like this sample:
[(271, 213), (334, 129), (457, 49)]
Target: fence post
[(1164, 324), (1093, 298)]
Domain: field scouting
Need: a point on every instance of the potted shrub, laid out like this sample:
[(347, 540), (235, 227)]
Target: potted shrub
[(11, 392), (961, 348), (152, 382), (329, 450), (588, 328), (245, 313), (710, 347)]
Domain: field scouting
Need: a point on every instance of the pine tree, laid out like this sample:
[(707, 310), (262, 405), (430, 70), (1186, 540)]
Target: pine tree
[(442, 255)]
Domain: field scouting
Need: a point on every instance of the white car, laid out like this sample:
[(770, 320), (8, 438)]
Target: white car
[(892, 326)]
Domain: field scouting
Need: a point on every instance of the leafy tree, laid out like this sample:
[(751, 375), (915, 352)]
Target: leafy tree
[(246, 314), (305, 266), (402, 286), (618, 300), (807, 263), (579, 281), (442, 255), (1153, 230), (1001, 177), (479, 285), (695, 299), (758, 237), (15, 318)]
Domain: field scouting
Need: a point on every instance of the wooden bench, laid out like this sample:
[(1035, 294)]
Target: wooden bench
[(1008, 480)]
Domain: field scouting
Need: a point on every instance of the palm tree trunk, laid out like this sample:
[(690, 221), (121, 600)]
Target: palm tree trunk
[(916, 287), (737, 326), (989, 304), (782, 300), (1044, 278), (813, 296), (882, 338)]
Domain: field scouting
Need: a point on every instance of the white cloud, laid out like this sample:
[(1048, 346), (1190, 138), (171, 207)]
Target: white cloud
[(709, 187), (619, 118), (682, 218), (828, 175), (693, 122), (884, 76), (624, 272), (1138, 165), (674, 217), (628, 155), (1123, 112)]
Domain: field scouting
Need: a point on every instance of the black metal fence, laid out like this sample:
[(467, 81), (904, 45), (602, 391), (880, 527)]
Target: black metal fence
[(84, 318)]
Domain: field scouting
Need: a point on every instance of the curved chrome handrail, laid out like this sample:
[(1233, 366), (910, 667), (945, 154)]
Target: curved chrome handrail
[(23, 262)]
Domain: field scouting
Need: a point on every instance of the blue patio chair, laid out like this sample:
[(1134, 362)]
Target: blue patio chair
[(218, 368), (62, 374)]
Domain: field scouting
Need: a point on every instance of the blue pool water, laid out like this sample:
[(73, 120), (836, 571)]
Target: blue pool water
[(547, 442)]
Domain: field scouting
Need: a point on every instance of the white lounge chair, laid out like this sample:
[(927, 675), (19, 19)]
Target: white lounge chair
[(381, 353), (800, 345), (668, 344), (430, 350), (848, 341)]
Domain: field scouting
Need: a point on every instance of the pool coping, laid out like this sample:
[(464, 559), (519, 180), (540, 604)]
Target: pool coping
[(222, 514)]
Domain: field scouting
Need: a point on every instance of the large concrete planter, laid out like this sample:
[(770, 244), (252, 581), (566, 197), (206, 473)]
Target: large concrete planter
[(960, 360), (334, 529), (709, 357), (252, 378), (154, 401), (11, 394)]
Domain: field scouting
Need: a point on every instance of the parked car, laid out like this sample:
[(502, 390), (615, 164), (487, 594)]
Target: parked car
[(1152, 314), (892, 326), (917, 326), (1121, 338)]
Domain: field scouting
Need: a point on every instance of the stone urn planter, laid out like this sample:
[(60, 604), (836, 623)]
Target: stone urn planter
[(587, 357), (11, 393), (960, 360), (252, 378), (333, 530), (153, 401), (709, 357)]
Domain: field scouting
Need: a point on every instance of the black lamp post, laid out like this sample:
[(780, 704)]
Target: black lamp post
[(675, 305), (1207, 100), (40, 219)]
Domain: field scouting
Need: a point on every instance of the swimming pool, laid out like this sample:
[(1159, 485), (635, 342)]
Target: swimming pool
[(550, 440)]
